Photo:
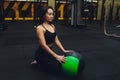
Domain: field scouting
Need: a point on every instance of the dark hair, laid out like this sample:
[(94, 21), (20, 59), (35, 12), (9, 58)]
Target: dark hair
[(42, 12)]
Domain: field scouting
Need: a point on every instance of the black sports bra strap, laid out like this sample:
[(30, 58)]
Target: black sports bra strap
[(44, 27)]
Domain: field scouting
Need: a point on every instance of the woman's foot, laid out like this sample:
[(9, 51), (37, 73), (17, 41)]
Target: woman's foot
[(34, 62)]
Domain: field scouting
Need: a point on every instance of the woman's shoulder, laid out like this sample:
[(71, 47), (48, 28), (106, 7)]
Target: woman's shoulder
[(40, 27)]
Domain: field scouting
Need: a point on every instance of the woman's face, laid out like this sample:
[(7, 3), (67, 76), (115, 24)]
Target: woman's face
[(49, 16)]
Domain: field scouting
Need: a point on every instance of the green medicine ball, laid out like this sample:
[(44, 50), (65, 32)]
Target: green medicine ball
[(70, 66)]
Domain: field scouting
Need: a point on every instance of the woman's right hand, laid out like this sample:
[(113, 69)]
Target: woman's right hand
[(60, 58)]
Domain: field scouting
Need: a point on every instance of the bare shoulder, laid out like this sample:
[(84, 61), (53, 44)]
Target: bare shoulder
[(40, 28)]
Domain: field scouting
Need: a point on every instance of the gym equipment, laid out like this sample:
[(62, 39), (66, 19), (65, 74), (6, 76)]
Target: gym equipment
[(74, 64)]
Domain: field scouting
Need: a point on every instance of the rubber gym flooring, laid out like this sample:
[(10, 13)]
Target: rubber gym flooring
[(18, 44)]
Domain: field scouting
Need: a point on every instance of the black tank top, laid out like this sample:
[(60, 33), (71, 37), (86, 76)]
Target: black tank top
[(49, 36)]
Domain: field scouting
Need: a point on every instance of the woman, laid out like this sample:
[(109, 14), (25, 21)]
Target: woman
[(46, 33)]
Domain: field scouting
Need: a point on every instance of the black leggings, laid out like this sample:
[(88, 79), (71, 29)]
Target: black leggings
[(47, 61)]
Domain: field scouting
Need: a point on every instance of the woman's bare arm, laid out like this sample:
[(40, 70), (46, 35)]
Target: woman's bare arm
[(59, 44)]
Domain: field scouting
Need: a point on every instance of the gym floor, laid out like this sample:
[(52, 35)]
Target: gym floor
[(18, 44)]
